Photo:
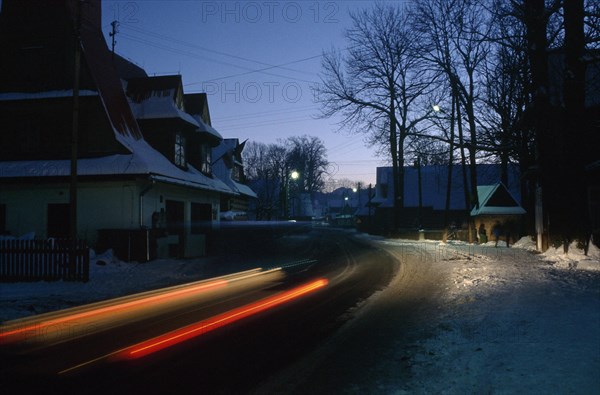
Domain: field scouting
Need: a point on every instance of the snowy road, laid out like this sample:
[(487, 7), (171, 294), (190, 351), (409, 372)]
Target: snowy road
[(460, 319), (222, 340), (443, 318)]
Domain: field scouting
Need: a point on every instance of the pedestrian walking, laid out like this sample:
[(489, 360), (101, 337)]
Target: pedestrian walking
[(497, 231)]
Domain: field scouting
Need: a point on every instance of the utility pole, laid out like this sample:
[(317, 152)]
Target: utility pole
[(112, 34), (74, 145)]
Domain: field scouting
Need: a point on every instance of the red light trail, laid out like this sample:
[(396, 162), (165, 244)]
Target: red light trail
[(188, 332)]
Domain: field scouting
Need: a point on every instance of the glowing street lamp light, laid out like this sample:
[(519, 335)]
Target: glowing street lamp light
[(294, 175), (436, 108)]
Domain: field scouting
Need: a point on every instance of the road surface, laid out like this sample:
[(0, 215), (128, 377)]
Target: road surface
[(227, 334)]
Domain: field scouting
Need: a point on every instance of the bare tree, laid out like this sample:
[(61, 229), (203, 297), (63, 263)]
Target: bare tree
[(592, 23), (263, 171), (308, 156), (269, 168), (377, 85), (333, 184), (454, 41), (507, 133)]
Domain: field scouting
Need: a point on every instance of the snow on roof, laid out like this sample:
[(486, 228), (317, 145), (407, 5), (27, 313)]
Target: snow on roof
[(206, 128), (144, 160), (496, 200), (155, 163), (223, 172), (244, 189), (434, 182), (44, 95), (160, 107), (226, 146)]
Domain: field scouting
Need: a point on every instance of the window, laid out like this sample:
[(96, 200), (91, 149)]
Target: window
[(201, 215), (180, 150), (205, 159)]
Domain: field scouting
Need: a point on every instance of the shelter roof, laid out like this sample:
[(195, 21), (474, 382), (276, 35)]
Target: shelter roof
[(496, 199)]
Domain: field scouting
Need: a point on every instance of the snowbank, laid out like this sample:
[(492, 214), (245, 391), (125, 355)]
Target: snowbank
[(575, 258)]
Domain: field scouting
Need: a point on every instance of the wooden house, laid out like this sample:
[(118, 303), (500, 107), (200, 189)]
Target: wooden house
[(144, 180)]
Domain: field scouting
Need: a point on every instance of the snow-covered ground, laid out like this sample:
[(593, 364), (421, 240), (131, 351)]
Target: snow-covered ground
[(518, 323), (465, 319)]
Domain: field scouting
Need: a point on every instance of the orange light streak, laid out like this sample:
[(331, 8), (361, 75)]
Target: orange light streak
[(188, 332), (115, 308)]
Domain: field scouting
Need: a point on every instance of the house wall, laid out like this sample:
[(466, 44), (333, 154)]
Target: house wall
[(100, 205), (154, 201), (106, 205)]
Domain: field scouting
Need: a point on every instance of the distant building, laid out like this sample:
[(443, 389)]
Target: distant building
[(434, 181)]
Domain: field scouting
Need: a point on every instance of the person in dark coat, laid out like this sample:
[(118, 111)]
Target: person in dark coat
[(482, 234), (497, 231)]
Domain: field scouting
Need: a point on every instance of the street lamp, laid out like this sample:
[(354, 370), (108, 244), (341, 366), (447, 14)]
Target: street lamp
[(294, 175), (436, 108)]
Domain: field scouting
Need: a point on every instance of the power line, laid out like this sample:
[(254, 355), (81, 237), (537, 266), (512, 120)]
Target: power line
[(263, 113), (264, 70), (204, 58), (265, 123), (188, 44)]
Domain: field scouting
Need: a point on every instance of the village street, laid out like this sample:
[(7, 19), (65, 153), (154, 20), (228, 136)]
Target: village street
[(455, 318), (82, 355)]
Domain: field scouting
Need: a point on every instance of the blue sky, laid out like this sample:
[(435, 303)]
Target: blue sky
[(228, 49)]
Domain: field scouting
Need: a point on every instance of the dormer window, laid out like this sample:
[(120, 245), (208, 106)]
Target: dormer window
[(205, 159), (180, 150), (236, 173)]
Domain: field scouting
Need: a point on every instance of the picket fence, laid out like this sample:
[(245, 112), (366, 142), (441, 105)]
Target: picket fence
[(35, 260)]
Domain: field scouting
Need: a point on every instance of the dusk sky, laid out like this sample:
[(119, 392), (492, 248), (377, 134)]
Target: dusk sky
[(256, 60)]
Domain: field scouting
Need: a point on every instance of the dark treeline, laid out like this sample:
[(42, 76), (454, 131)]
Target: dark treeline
[(296, 165)]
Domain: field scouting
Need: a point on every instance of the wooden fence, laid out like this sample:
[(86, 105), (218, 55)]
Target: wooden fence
[(34, 260)]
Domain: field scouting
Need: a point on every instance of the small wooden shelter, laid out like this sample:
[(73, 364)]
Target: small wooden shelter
[(497, 208)]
